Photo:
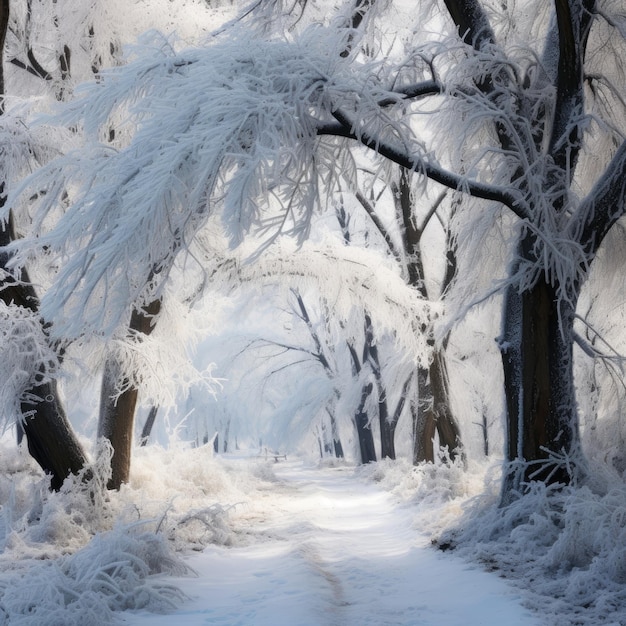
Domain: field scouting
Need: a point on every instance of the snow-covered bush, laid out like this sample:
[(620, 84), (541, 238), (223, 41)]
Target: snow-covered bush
[(563, 544), (82, 554)]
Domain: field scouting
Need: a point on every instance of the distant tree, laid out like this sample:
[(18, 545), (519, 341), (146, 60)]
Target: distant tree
[(523, 98), (430, 403), (328, 331)]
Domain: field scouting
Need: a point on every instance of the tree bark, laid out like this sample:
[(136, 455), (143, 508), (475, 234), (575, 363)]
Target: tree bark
[(424, 423), (434, 413), (433, 410), (51, 440), (537, 354), (337, 447), (117, 411), (447, 427), (364, 432), (387, 427)]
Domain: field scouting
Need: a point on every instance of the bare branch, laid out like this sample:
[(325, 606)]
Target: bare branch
[(369, 209)]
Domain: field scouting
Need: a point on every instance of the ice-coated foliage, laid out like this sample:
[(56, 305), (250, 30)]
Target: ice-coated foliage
[(114, 572), (229, 125), (23, 148), (350, 279), (26, 359), (89, 36)]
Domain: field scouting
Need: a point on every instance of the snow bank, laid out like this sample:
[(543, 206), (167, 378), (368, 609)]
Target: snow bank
[(565, 547), (82, 555), (441, 490)]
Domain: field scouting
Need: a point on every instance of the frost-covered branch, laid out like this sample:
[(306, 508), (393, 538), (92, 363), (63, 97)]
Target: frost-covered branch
[(351, 129), (230, 128), (348, 278), (603, 206), (573, 19), (371, 212)]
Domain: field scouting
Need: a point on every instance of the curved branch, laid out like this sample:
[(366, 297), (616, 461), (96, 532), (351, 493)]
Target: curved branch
[(39, 70), (415, 163), (471, 21), (410, 92)]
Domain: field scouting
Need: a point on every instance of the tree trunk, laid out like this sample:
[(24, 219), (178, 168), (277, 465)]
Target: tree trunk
[(116, 421), (433, 413), (424, 423), (432, 409), (51, 440), (226, 435), (117, 411), (447, 427), (542, 440), (387, 428), (337, 447), (364, 432)]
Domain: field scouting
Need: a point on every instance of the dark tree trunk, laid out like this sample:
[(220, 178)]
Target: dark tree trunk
[(424, 422), (337, 447), (433, 410), (387, 426), (117, 411), (364, 432), (537, 356), (434, 414), (447, 427), (387, 429), (116, 421), (51, 440)]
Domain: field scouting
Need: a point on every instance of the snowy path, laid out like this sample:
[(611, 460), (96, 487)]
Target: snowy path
[(326, 549)]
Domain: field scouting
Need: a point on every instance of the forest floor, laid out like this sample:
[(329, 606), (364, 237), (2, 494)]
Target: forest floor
[(322, 546)]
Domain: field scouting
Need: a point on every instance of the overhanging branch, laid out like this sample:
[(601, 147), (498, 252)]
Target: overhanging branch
[(476, 189), (411, 92)]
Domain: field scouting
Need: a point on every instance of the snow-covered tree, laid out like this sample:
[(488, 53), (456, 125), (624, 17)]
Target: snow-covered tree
[(48, 48), (526, 121), (404, 238)]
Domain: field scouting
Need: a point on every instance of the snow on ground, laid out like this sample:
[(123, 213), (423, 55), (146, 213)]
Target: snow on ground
[(321, 546)]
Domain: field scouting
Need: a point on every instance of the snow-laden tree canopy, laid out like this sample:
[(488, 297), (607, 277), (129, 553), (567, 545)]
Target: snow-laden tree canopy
[(251, 128), (231, 127)]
